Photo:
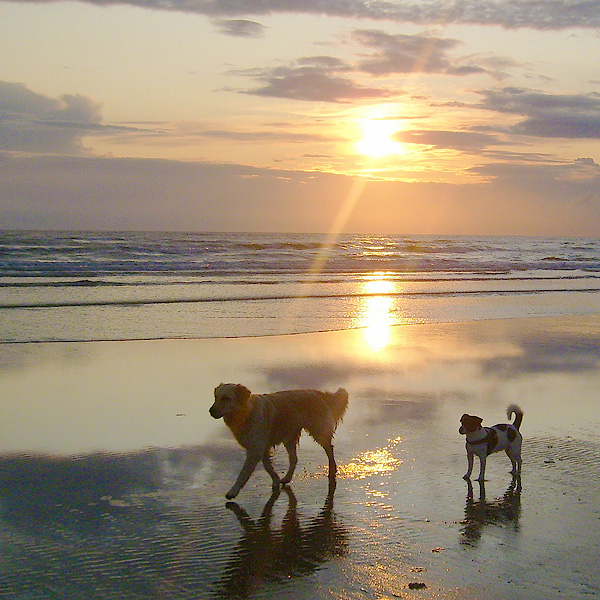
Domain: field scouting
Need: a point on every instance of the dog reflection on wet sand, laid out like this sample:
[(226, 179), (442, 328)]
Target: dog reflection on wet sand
[(481, 513), (269, 554)]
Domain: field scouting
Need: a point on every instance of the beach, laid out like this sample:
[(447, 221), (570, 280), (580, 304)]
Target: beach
[(397, 200), (113, 475)]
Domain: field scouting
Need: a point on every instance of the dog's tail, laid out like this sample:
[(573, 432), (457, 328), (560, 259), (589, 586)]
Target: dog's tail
[(338, 403), (513, 408)]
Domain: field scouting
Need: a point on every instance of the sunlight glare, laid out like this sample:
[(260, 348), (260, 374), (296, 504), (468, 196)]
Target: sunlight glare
[(378, 139), (382, 461)]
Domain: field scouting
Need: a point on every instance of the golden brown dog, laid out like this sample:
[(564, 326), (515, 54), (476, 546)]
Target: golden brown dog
[(260, 422)]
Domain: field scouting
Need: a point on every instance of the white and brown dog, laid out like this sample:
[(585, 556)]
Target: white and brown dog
[(482, 441), (259, 422)]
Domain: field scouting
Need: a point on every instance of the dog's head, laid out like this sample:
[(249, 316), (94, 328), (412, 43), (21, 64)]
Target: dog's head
[(229, 397), (469, 423)]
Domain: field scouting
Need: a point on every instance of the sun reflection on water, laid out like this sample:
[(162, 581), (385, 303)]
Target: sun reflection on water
[(377, 316), (372, 462)]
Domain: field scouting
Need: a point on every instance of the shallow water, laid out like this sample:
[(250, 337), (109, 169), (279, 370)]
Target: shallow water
[(112, 477), (90, 286)]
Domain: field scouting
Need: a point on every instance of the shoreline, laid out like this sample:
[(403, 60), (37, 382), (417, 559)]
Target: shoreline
[(413, 322)]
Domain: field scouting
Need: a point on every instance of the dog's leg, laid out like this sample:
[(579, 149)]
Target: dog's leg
[(247, 470), (470, 457), (510, 455), (266, 460), (482, 459), (515, 459), (293, 456), (332, 466)]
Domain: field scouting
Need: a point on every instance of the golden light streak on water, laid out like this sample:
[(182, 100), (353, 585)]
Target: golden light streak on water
[(381, 461), (377, 316)]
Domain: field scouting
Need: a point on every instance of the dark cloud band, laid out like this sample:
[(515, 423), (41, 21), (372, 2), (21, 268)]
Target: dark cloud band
[(534, 14)]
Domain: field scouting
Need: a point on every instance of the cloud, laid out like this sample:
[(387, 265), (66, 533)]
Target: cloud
[(32, 122), (454, 140), (240, 28), (572, 185), (402, 53), (534, 14), (63, 192), (35, 123), (316, 79), (587, 161), (549, 172), (50, 191), (261, 135), (547, 115), (329, 79), (522, 157)]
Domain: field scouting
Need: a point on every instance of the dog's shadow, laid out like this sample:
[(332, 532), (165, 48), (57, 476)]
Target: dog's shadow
[(479, 514), (269, 554)]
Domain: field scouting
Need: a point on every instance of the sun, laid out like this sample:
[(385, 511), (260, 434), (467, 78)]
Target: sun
[(378, 137)]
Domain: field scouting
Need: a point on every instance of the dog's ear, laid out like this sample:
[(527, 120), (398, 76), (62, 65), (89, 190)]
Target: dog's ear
[(467, 417), (242, 392)]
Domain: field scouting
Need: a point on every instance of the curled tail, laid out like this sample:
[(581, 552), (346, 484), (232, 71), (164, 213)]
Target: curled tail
[(513, 408), (338, 403)]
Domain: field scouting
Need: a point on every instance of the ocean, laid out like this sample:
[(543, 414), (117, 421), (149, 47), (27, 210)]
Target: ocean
[(95, 286)]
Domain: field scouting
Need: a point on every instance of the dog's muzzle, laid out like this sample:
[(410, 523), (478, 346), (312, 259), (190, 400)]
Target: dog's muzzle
[(214, 412)]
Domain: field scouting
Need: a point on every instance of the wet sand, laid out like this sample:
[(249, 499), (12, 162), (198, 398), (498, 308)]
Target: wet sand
[(113, 475)]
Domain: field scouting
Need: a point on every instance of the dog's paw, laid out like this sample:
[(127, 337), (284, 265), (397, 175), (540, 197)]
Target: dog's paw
[(231, 494)]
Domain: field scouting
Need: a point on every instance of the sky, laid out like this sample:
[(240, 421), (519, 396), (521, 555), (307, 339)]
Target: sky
[(462, 117)]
